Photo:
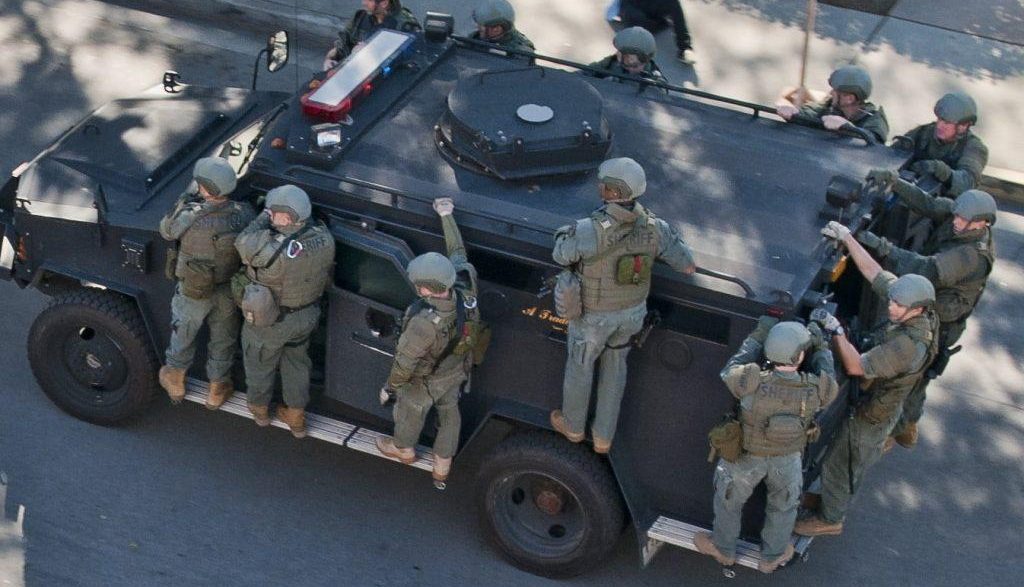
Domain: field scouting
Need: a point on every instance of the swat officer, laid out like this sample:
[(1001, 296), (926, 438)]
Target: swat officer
[(291, 255), (846, 104), (612, 251), (777, 409), (204, 223), (373, 16), (898, 352), (957, 258), (433, 358), (947, 149), (634, 55), (496, 23)]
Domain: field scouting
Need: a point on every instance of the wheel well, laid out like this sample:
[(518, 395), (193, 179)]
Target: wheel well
[(53, 283)]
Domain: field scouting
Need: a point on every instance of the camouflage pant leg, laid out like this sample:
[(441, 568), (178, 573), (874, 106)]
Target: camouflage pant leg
[(410, 413), (785, 481), (295, 361), (187, 317), (734, 483), (445, 395), (856, 447), (224, 321), (260, 359), (588, 336), (611, 377), (913, 405)]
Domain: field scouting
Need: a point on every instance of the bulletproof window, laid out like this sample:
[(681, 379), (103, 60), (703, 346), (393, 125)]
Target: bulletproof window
[(692, 321), (372, 265)]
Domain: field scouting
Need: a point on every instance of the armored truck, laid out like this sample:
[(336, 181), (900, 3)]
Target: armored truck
[(515, 139)]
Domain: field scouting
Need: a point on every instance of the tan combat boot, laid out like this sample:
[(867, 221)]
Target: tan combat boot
[(815, 526), (704, 544), (386, 445), (173, 381), (261, 414), (295, 418), (907, 438), (562, 427), (220, 391), (768, 567), (602, 446), (442, 466)]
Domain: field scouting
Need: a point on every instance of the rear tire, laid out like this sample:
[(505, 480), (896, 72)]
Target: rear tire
[(551, 507), (91, 355)]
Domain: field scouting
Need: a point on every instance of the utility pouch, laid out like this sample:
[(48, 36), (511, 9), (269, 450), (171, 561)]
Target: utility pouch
[(568, 295), (875, 411), (259, 307), (726, 439), (784, 429), (475, 338), (197, 279), (171, 263), (633, 269), (238, 282)]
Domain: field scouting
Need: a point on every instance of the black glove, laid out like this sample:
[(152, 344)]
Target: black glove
[(933, 167), (870, 240), (764, 324)]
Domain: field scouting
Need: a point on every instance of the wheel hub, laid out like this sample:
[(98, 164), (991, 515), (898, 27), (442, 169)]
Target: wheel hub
[(549, 502)]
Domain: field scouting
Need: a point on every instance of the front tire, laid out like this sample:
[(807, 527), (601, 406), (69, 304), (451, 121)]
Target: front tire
[(552, 508), (91, 355)]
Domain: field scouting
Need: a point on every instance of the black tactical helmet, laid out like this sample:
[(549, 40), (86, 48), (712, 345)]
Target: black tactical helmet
[(625, 175), (957, 107), (912, 291), (852, 80), (433, 271), (785, 342), (976, 205), (636, 40), (494, 13), (291, 199), (216, 175)]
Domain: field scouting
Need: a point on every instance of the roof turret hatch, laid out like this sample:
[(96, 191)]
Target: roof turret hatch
[(523, 123)]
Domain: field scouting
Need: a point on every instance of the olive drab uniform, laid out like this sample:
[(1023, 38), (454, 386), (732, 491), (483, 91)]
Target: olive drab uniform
[(870, 118), (611, 64), (612, 252), (966, 156), (296, 267), (897, 356), (206, 260), (958, 265), (363, 25), (513, 39), (777, 410), (430, 368)]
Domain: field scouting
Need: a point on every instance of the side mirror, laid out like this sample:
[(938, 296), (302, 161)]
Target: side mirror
[(277, 51)]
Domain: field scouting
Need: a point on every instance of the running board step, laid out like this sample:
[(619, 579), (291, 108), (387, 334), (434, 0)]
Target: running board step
[(667, 530), (319, 427)]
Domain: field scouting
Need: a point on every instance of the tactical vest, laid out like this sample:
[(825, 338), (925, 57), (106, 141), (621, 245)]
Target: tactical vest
[(211, 240), (299, 275), (887, 395), (955, 303), (779, 413), (440, 360), (611, 64), (633, 241)]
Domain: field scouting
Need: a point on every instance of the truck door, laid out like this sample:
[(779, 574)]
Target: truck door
[(368, 297)]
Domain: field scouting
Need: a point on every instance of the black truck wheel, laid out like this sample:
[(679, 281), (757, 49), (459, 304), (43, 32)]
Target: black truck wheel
[(91, 355), (552, 508)]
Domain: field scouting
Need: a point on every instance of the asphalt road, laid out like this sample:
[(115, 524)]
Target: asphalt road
[(187, 497)]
